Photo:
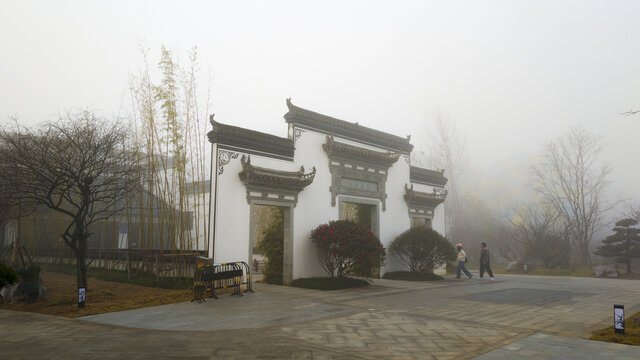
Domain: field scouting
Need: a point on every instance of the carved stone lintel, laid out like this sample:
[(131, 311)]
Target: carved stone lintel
[(224, 157), (356, 171)]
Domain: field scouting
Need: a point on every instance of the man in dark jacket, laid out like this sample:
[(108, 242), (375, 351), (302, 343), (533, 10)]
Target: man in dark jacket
[(485, 261)]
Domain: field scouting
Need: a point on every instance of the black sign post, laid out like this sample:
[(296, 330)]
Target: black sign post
[(618, 319), (81, 297)]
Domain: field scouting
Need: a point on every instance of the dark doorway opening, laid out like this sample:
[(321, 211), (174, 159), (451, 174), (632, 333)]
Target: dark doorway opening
[(362, 214), (268, 242)]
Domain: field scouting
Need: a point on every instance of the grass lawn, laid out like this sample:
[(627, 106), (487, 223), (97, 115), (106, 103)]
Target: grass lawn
[(411, 276), (102, 297), (325, 283), (631, 336)]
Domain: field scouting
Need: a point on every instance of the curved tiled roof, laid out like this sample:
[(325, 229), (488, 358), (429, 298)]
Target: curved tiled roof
[(345, 151), (349, 130), (419, 198), (427, 176), (251, 140), (290, 180)]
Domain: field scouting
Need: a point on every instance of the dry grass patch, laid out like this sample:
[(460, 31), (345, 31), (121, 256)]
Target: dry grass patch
[(631, 336), (102, 297)]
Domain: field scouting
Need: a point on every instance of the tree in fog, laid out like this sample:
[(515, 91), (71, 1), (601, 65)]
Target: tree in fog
[(633, 211), (538, 230), (447, 150), (624, 244), (480, 223), (79, 166), (570, 180)]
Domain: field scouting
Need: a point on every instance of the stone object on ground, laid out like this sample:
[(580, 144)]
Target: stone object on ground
[(12, 293), (515, 265), (610, 271), (15, 292)]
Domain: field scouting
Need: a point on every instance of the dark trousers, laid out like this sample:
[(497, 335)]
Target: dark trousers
[(462, 268), (486, 266)]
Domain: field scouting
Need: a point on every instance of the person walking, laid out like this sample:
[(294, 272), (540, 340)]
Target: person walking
[(462, 259), (485, 261)]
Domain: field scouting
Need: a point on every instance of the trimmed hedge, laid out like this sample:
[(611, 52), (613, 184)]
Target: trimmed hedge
[(7, 275), (326, 283), (144, 279), (411, 276), (421, 249)]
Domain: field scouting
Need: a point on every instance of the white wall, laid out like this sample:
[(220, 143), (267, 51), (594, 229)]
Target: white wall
[(314, 204), (232, 230), (395, 220)]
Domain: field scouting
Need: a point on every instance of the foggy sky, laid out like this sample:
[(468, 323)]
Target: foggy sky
[(513, 74)]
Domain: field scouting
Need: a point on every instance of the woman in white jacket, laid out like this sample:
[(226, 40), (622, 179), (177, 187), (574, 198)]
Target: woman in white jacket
[(462, 259)]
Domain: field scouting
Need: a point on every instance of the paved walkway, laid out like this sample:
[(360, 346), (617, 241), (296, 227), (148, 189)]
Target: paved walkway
[(512, 317)]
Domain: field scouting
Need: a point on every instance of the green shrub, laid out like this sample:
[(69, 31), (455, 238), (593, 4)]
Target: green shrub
[(421, 249), (272, 247), (30, 274), (323, 283), (346, 248), (141, 278), (7, 275), (411, 276)]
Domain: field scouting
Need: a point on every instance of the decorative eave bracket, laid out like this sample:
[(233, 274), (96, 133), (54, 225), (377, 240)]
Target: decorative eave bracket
[(424, 200), (273, 185)]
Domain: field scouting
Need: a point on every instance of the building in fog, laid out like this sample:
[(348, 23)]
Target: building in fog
[(323, 170)]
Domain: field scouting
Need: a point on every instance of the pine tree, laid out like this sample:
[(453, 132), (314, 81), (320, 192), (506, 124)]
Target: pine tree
[(624, 244)]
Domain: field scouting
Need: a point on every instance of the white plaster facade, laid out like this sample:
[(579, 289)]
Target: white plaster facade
[(230, 225)]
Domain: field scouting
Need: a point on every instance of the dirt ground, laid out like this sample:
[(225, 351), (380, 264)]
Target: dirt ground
[(102, 297)]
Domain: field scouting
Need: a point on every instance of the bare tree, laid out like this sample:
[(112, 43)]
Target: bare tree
[(79, 166), (570, 179), (506, 246), (447, 150), (538, 230), (633, 211)]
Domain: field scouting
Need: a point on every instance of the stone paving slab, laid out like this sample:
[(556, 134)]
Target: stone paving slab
[(253, 310), (388, 335), (543, 346), (37, 336)]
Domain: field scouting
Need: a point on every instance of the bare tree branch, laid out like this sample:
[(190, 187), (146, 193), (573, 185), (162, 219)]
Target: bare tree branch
[(630, 112)]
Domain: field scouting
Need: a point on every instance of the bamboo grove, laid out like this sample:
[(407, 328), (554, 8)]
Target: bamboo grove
[(162, 230)]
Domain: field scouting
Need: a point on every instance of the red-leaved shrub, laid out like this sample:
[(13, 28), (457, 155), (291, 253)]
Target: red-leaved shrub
[(346, 248)]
